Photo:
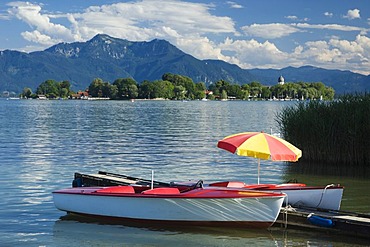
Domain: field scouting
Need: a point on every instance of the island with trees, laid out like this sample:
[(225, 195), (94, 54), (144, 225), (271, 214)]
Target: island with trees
[(178, 87)]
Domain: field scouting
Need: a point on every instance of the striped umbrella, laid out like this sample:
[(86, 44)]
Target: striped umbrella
[(261, 146)]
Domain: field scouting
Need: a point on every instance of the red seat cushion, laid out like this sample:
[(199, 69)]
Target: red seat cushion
[(161, 191), (117, 189)]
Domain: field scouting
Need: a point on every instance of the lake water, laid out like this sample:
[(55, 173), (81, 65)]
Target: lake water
[(42, 144)]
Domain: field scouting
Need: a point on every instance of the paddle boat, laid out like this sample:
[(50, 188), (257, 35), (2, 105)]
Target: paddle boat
[(211, 205), (298, 194)]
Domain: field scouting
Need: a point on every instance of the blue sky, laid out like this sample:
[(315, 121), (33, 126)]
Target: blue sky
[(332, 34)]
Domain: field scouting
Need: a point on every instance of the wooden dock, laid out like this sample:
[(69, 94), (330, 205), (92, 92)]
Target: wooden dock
[(329, 221)]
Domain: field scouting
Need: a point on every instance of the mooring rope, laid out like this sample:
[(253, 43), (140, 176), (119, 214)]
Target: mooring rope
[(323, 192)]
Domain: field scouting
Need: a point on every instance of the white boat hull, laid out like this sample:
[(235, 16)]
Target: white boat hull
[(256, 212), (298, 195), (329, 198)]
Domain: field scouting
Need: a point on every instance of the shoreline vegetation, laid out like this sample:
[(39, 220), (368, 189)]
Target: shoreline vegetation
[(178, 87), (334, 136)]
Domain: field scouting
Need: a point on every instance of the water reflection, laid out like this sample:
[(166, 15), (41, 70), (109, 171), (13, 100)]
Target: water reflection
[(82, 231), (330, 169), (70, 228)]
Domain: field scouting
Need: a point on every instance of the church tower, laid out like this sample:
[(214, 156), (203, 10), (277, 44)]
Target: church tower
[(281, 80)]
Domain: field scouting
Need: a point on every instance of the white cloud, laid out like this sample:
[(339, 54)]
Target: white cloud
[(147, 17), (328, 14), (352, 14), (31, 14), (278, 30), (234, 5), (252, 54), (330, 27), (37, 37), (336, 54), (270, 31), (201, 47), (295, 18), (291, 17), (136, 21), (333, 54)]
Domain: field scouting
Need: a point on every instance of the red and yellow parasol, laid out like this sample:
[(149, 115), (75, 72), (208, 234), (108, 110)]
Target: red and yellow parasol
[(261, 146)]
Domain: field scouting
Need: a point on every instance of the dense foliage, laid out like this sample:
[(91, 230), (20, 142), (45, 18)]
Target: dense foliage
[(334, 136), (180, 87), (50, 89)]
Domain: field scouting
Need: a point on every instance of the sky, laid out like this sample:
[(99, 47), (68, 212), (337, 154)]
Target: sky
[(331, 34)]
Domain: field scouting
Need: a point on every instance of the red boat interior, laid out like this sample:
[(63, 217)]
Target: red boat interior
[(181, 191), (238, 184), (141, 190)]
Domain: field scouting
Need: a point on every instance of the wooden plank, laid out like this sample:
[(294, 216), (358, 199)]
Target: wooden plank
[(112, 179), (347, 223), (139, 180), (352, 218), (128, 181)]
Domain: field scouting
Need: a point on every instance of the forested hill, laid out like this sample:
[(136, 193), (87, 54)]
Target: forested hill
[(111, 58)]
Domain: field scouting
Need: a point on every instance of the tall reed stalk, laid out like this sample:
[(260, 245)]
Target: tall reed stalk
[(334, 136)]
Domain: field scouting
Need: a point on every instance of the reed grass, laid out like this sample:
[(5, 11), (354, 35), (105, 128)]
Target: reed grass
[(334, 136)]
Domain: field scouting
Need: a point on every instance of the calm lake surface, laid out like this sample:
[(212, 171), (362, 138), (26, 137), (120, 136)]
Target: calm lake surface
[(42, 144)]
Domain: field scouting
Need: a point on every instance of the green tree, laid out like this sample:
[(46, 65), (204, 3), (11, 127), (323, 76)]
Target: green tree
[(329, 93), (49, 88), (223, 95), (201, 94), (179, 92), (146, 90), (319, 86), (234, 90), (65, 89), (63, 93), (313, 93), (266, 92), (126, 88), (255, 89), (179, 80), (245, 91), (26, 93), (278, 91), (200, 86), (108, 90), (163, 89), (220, 86), (214, 89), (95, 88), (200, 90), (210, 97)]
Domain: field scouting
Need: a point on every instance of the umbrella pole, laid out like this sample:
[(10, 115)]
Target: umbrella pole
[(258, 178), (152, 182)]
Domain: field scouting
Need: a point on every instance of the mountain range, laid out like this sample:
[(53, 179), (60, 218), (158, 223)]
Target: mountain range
[(110, 58)]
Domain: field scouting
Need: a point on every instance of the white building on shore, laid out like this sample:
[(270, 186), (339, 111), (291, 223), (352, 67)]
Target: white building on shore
[(281, 80)]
